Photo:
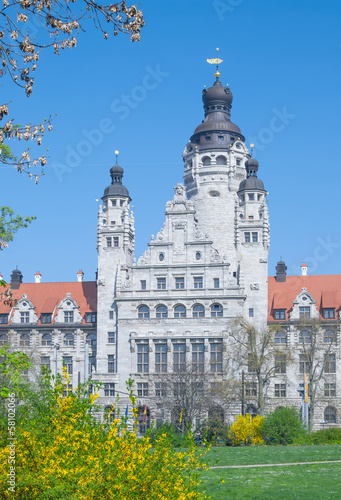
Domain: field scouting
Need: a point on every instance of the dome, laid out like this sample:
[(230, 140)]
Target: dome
[(116, 188), (251, 183), (251, 163), (218, 122), (116, 169), (217, 95)]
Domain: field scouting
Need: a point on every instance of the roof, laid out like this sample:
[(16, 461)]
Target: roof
[(46, 297), (325, 289)]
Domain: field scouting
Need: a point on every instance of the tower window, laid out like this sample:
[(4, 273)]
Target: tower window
[(208, 138), (116, 241), (247, 237), (254, 237), (113, 222), (220, 139), (108, 242), (113, 203), (111, 314), (143, 284), (161, 257), (198, 256), (121, 203), (251, 312), (111, 337), (216, 282), (251, 196), (238, 162), (250, 217)]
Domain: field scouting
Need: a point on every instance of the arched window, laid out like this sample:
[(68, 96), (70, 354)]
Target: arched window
[(180, 311), (305, 337), (91, 339), (221, 160), (161, 312), (330, 415), (143, 418), (280, 338), (206, 161), (109, 414), (143, 312), (216, 310), (46, 339), (198, 311), (24, 340), (4, 339), (69, 339)]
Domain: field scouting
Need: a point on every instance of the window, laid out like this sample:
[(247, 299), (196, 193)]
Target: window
[(179, 283), (143, 358), (198, 256), (329, 336), (216, 361), (304, 337), (198, 282), (92, 364), (254, 237), (329, 313), (142, 389), (280, 363), (220, 139), (198, 311), (91, 339), (109, 389), (121, 203), (24, 317), (113, 203), (280, 391), (280, 338), (216, 282), (251, 312), (111, 363), (109, 414), (251, 365), (250, 389), (68, 339), (90, 317), (250, 217), (46, 339), (251, 197), (143, 284), (108, 242), (179, 357), (111, 338), (329, 390), (247, 237), (161, 283), (198, 358), (45, 363), (111, 314), (67, 362), (160, 389), (161, 312), (304, 364), (330, 415), (116, 241), (46, 318), (238, 162), (161, 257), (161, 358), (143, 312), (330, 363), (3, 339), (304, 312), (180, 311), (68, 316), (280, 314), (216, 310), (208, 138), (24, 340), (3, 319)]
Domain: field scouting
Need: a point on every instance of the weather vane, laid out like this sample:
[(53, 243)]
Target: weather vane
[(216, 61)]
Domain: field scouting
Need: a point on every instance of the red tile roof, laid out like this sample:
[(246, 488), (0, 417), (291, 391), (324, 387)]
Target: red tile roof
[(47, 296), (325, 289)]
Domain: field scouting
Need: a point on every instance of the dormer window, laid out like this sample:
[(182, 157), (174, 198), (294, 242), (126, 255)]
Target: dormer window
[(68, 316), (280, 314), (304, 311), (46, 318), (24, 317), (329, 313), (3, 319)]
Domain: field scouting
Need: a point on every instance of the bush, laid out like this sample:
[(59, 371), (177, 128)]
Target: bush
[(213, 431), (282, 426), (246, 430), (326, 436), (173, 433)]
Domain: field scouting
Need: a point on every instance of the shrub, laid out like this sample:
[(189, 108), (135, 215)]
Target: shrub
[(246, 430), (325, 436), (213, 431), (282, 426), (173, 433)]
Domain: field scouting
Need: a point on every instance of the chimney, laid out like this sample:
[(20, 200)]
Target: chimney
[(37, 277), (80, 275), (16, 279), (281, 272), (304, 269)]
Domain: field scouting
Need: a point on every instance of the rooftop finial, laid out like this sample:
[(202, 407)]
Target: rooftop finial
[(116, 153), (216, 61), (252, 146)]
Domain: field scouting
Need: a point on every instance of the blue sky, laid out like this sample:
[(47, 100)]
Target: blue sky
[(281, 58)]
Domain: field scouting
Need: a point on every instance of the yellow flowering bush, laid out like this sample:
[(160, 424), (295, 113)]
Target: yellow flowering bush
[(70, 455), (246, 430)]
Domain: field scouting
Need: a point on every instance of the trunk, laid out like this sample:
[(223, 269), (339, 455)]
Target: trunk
[(261, 401)]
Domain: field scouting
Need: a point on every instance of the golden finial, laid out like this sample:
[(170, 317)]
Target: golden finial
[(216, 61)]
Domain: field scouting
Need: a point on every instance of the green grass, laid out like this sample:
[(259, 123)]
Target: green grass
[(315, 482)]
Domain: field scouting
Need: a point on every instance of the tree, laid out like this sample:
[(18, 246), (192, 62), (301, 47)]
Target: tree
[(318, 357), (10, 224), (255, 353), (282, 426), (60, 22)]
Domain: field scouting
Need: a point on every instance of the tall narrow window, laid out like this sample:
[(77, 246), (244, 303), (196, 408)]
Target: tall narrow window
[(254, 237), (45, 363), (304, 365), (111, 338), (216, 282), (67, 362), (111, 363), (198, 358), (247, 237), (143, 358), (161, 358), (116, 241), (216, 363), (109, 242), (330, 363), (143, 284), (280, 363), (179, 357)]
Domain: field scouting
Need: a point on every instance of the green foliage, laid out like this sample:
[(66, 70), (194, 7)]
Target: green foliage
[(12, 365), (10, 224), (282, 426), (323, 436), (6, 153), (214, 431), (173, 433)]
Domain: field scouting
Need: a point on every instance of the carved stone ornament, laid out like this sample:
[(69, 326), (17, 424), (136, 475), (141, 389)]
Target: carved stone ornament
[(254, 286), (263, 261)]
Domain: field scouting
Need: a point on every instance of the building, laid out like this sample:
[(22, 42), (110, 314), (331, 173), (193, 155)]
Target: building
[(168, 313)]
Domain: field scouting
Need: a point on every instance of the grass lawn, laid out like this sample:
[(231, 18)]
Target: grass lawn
[(315, 482)]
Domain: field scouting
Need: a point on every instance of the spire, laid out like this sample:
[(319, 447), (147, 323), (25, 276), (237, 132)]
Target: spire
[(116, 188), (216, 61)]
